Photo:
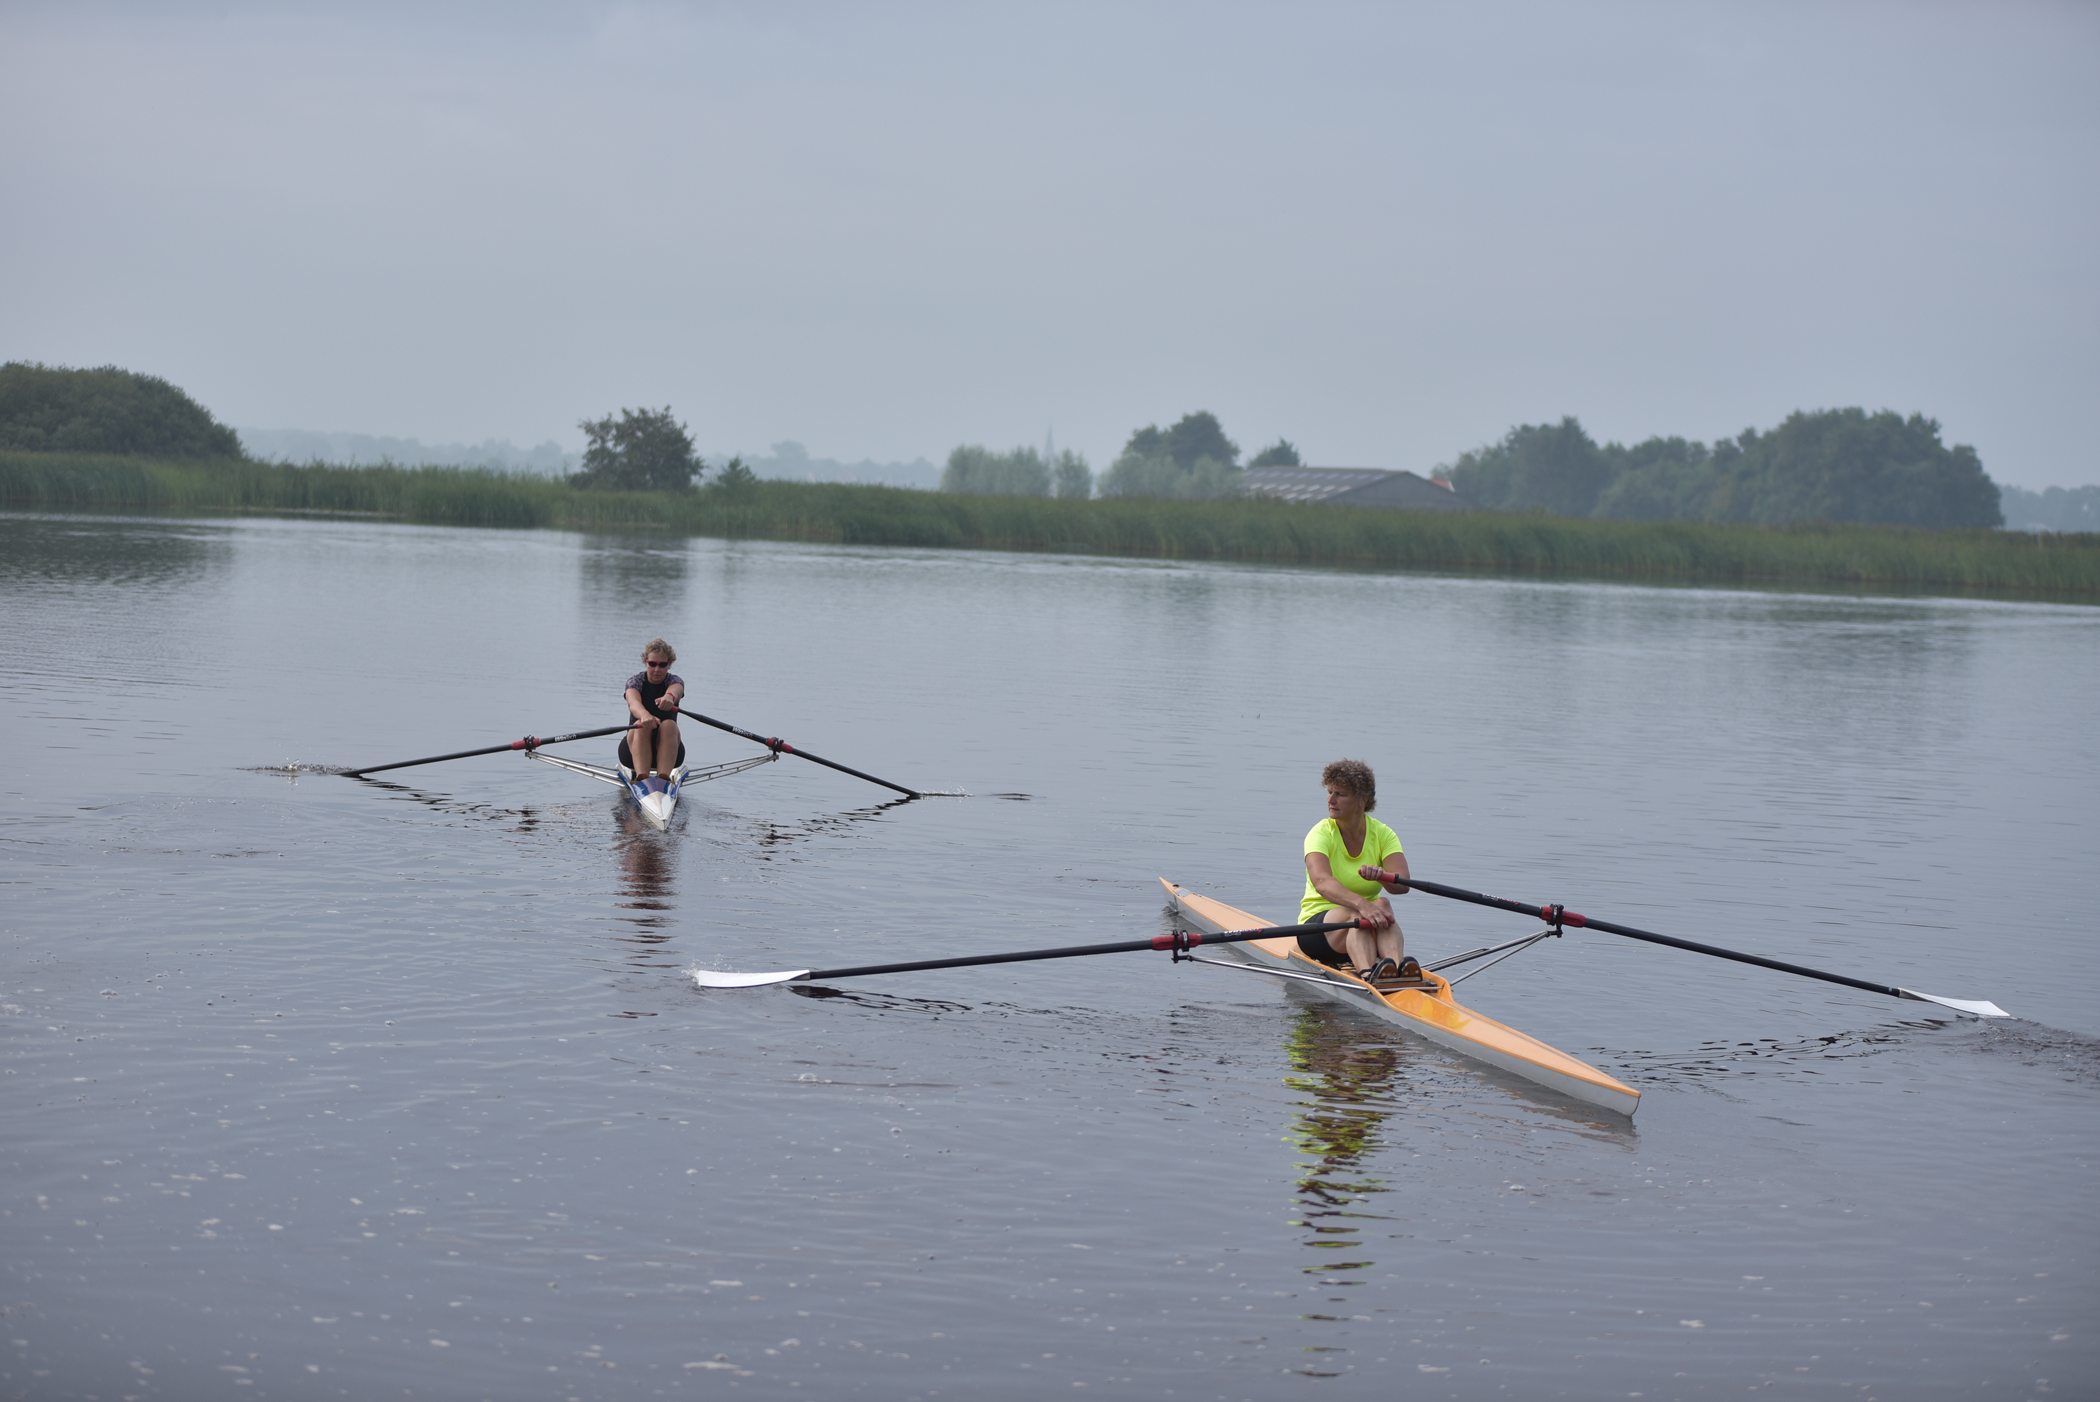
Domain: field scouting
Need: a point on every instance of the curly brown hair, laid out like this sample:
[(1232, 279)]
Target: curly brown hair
[(659, 645), (1355, 776)]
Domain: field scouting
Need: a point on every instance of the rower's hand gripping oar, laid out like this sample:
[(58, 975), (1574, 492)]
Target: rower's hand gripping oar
[(1558, 916), (530, 742), (782, 747), (1180, 942)]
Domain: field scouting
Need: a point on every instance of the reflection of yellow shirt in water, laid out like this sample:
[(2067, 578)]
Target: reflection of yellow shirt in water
[(1326, 839)]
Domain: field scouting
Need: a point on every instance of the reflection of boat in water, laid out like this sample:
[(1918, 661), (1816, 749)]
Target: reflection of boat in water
[(648, 888), (1347, 1079), (1349, 1083), (1428, 1011)]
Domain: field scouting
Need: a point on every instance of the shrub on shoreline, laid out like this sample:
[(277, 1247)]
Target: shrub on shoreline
[(54, 409), (1255, 531)]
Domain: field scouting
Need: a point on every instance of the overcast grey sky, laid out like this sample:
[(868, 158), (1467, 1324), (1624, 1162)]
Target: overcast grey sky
[(1388, 232)]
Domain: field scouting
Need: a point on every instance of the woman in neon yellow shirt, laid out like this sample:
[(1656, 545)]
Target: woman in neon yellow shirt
[(1350, 860)]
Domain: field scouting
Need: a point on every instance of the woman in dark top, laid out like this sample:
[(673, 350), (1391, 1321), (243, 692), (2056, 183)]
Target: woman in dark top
[(653, 695)]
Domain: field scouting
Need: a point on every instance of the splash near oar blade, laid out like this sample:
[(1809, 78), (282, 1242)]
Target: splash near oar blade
[(1561, 915), (1180, 943)]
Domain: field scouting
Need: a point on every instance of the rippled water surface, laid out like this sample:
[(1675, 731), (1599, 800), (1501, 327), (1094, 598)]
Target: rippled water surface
[(319, 1087)]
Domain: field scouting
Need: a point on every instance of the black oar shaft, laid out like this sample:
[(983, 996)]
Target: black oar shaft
[(530, 742), (1187, 940), (779, 746), (1561, 916), (1738, 956)]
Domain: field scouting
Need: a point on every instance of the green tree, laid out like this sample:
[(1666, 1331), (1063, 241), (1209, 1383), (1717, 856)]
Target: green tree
[(1199, 436), (1072, 477), (1191, 461), (1551, 467), (978, 471), (1661, 479), (734, 481), (1277, 454), (1849, 465), (51, 409), (643, 450)]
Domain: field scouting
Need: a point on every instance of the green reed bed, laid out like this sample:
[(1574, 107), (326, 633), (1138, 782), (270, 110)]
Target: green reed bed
[(2063, 566), (449, 496)]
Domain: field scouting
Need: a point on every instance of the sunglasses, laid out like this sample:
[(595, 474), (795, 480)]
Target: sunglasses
[(656, 664)]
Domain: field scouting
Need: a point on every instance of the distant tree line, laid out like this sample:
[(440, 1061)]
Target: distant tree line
[(1840, 465), (546, 459), (790, 461), (1833, 465), (52, 409), (2056, 509)]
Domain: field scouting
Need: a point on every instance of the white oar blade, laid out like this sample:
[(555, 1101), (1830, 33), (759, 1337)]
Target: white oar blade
[(722, 978), (1960, 1005)]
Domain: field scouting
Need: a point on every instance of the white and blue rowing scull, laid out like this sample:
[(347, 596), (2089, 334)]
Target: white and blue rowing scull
[(657, 805)]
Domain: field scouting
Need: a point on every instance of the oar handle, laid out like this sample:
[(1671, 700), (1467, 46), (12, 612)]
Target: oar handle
[(782, 747), (1182, 940), (1560, 915), (530, 742)]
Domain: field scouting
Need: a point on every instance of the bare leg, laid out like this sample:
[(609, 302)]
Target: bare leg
[(667, 747), (641, 749), (1366, 947), (1392, 944)]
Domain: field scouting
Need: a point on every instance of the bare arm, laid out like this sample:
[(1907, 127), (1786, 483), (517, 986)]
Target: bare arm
[(636, 709)]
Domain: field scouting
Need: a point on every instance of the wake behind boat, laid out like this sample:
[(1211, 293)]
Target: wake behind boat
[(1428, 1010)]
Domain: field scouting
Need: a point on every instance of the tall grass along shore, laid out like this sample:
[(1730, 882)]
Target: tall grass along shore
[(2062, 567)]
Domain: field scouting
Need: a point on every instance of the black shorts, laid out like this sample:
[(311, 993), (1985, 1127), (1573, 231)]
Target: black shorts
[(1315, 946), (627, 755)]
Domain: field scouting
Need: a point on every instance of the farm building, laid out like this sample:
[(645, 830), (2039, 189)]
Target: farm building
[(1354, 486)]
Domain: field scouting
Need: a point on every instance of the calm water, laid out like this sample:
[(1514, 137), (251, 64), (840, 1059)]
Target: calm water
[(316, 1087)]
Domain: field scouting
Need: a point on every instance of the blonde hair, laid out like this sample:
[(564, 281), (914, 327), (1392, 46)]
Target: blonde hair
[(659, 645), (1355, 776)]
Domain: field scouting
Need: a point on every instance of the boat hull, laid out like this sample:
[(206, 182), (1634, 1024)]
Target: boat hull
[(656, 808), (1431, 1012)]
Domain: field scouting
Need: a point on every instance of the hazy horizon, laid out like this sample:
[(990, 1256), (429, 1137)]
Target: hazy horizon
[(1387, 233)]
